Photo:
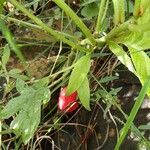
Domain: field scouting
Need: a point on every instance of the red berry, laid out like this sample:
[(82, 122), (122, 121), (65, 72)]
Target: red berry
[(67, 103)]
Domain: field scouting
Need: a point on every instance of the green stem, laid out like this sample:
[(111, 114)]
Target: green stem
[(33, 26), (47, 29), (76, 19), (102, 13), (133, 113)]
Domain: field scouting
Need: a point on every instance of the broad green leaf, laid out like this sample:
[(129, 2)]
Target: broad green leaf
[(27, 121), (87, 2), (43, 94), (121, 55), (41, 82), (14, 71), (6, 55), (79, 73), (27, 108), (20, 85), (138, 40), (141, 62), (90, 10), (16, 104), (84, 93)]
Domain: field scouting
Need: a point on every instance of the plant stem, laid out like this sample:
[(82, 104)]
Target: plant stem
[(76, 20), (47, 29), (33, 26)]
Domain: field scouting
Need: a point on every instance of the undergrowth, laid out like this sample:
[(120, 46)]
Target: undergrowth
[(47, 45)]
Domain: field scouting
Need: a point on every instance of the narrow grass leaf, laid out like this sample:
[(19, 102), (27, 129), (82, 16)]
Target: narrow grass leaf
[(133, 113), (7, 34), (6, 55)]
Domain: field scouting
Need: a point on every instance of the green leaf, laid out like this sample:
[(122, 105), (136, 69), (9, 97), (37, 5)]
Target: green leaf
[(84, 93), (138, 40), (11, 41), (14, 71), (41, 82), (108, 79), (141, 62), (144, 127), (43, 94), (6, 55), (20, 85), (79, 73), (1, 5), (119, 12), (16, 104), (27, 121), (90, 10), (27, 108), (121, 55)]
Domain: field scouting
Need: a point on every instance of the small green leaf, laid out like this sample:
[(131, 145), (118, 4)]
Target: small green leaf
[(84, 93), (6, 55), (121, 55), (144, 127), (108, 79), (89, 11), (79, 73)]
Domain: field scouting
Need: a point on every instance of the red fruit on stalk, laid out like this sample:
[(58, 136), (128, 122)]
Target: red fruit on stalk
[(67, 103)]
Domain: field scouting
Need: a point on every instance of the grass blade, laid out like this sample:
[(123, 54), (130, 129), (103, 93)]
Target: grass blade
[(133, 113)]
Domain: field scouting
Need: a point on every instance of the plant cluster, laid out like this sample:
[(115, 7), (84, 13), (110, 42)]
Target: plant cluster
[(126, 36)]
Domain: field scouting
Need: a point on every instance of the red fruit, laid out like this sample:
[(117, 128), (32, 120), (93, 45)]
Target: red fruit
[(67, 103)]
